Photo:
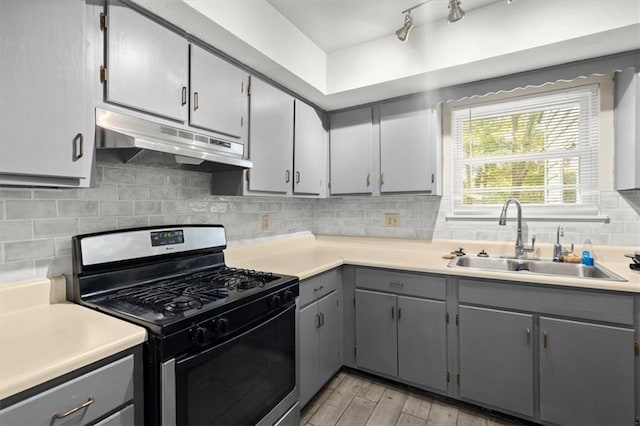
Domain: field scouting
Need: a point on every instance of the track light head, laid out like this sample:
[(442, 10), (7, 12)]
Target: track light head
[(403, 32), (455, 11)]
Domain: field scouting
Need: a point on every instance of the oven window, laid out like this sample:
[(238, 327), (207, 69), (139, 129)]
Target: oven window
[(239, 381)]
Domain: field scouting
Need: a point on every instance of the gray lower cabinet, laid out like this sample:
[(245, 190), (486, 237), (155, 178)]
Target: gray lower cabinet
[(585, 373), (496, 359), (402, 337), (320, 333), (81, 400)]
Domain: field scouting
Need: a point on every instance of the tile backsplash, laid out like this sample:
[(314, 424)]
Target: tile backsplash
[(36, 224)]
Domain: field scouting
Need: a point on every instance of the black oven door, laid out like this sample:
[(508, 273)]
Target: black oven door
[(240, 381)]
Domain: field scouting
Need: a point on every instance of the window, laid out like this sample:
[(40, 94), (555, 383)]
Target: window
[(541, 149)]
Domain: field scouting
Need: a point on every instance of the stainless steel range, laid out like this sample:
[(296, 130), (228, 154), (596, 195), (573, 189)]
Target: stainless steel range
[(222, 341)]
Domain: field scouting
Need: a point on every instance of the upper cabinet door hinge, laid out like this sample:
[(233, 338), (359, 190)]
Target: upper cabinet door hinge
[(636, 349), (104, 21), (103, 73)]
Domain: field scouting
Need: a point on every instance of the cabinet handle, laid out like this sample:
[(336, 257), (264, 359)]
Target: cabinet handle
[(399, 313), (368, 180), (297, 177), (242, 87), (318, 321), (318, 288), (382, 179), (73, 410), (196, 104), (242, 121), (397, 284), (545, 339), (287, 176), (528, 337), (78, 146), (184, 95), (393, 312), (321, 318)]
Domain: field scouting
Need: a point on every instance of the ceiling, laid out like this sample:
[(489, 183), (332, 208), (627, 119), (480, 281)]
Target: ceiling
[(341, 53), (337, 24)]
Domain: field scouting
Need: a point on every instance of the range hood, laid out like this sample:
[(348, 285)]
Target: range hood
[(129, 139)]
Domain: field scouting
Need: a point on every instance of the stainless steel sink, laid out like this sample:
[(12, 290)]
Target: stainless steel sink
[(540, 267)]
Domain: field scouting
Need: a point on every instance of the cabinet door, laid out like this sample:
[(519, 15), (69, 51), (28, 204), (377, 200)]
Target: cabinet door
[(309, 152), (376, 334), (586, 373), (422, 343), (309, 379), (270, 138), (330, 334), (45, 121), (218, 96), (147, 64), (406, 146), (496, 358), (350, 145)]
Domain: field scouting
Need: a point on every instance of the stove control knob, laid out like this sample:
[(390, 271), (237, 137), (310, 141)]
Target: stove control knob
[(275, 301), (200, 336), (287, 296), (221, 326)]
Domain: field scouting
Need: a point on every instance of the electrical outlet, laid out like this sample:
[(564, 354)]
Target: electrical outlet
[(265, 222), (391, 220)]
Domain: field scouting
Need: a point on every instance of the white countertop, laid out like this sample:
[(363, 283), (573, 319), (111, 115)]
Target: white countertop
[(42, 336), (308, 255)]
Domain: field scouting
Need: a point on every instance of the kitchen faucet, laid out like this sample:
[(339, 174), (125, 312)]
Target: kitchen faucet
[(558, 251), (520, 248)]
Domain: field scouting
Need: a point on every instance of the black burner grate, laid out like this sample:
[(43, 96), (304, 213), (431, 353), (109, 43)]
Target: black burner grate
[(193, 291)]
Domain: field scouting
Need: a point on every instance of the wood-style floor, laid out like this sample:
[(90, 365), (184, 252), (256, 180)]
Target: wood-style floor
[(350, 399)]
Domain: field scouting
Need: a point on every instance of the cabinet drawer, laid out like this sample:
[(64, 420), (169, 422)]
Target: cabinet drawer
[(124, 417), (314, 288), (599, 306), (109, 387), (402, 283)]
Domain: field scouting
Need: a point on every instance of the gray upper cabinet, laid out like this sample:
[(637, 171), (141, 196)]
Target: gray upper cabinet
[(351, 136), (627, 130), (585, 373), (147, 64), (46, 126), (309, 153), (407, 146), (270, 139), (219, 100), (496, 359)]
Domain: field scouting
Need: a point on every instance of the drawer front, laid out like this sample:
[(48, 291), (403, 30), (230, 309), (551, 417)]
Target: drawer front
[(319, 286), (404, 283), (123, 417), (108, 387), (607, 307)]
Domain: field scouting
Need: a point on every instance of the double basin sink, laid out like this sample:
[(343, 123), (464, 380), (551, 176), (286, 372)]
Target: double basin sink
[(539, 267)]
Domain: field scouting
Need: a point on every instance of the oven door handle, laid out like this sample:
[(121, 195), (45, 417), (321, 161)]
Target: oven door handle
[(168, 392)]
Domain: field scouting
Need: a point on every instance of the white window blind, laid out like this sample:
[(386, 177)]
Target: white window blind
[(540, 149)]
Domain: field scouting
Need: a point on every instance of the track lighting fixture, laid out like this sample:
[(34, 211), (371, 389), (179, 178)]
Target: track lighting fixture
[(455, 11), (455, 14), (403, 32)]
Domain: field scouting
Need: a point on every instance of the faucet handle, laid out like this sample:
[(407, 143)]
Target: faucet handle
[(533, 245)]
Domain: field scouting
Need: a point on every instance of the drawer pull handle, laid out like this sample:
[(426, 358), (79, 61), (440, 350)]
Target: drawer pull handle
[(396, 284), (545, 339), (318, 321), (73, 410), (318, 288), (528, 337)]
